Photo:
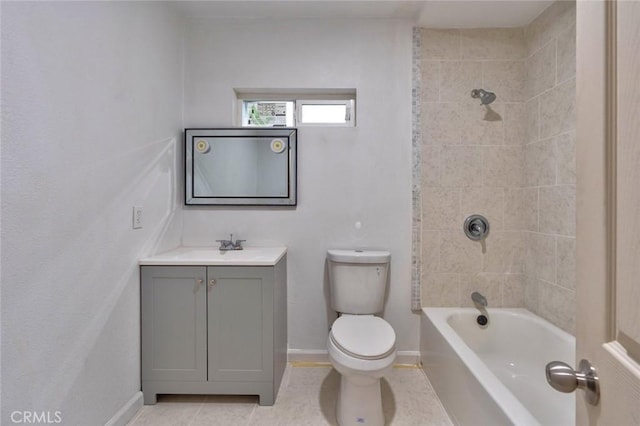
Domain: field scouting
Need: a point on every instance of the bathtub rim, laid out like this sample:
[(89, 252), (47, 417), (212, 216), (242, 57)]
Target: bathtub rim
[(501, 395)]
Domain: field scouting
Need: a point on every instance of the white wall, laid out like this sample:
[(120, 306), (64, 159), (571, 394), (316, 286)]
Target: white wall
[(92, 107), (345, 175), (91, 114)]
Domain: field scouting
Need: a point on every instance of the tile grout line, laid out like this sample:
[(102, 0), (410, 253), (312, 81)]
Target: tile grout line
[(253, 412), (193, 418)]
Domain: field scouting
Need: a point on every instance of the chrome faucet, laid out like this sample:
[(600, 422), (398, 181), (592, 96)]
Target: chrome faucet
[(479, 300), (226, 245), (481, 304)]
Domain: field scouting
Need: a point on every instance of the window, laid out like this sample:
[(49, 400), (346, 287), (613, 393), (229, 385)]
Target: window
[(263, 108), (267, 113), (322, 112)]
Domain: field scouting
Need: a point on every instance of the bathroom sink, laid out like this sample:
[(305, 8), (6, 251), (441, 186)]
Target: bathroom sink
[(249, 256)]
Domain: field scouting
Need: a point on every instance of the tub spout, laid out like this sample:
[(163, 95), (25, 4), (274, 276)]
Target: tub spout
[(479, 300), (481, 304)]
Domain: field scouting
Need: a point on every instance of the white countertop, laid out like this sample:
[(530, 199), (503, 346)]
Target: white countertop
[(203, 256)]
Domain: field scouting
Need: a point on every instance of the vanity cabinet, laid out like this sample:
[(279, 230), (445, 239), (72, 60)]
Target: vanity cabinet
[(213, 330)]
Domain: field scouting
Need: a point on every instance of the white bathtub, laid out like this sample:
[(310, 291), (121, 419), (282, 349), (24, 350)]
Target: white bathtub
[(496, 375)]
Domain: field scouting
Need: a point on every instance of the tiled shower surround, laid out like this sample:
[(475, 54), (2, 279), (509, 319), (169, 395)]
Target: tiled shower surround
[(513, 162)]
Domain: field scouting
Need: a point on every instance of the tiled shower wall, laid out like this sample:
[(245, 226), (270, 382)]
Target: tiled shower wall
[(550, 174), (512, 162), (472, 162)]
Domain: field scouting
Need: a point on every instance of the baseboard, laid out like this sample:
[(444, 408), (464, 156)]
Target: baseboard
[(408, 357), (303, 355), (127, 412)]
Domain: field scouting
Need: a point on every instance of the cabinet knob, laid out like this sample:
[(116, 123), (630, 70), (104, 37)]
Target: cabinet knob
[(200, 281), (212, 282)]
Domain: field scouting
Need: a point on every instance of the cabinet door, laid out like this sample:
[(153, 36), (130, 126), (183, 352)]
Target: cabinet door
[(240, 323), (173, 322)]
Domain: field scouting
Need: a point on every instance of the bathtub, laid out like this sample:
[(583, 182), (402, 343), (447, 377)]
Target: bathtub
[(495, 375)]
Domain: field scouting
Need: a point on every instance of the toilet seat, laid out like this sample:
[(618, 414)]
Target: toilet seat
[(365, 337)]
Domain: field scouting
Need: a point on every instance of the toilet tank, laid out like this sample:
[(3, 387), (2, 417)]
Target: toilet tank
[(358, 280)]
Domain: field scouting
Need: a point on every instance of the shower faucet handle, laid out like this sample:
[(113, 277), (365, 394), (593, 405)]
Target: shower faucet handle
[(476, 227)]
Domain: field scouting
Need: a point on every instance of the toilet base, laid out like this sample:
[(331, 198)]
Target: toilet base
[(359, 402)]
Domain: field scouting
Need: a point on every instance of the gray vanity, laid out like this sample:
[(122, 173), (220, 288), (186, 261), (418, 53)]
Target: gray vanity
[(214, 322)]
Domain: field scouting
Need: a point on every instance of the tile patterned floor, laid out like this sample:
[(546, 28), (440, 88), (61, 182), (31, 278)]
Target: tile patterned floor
[(306, 398)]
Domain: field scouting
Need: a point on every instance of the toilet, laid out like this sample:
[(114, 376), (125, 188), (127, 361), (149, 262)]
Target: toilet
[(361, 346)]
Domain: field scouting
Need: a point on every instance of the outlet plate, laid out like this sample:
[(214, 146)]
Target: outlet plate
[(137, 217)]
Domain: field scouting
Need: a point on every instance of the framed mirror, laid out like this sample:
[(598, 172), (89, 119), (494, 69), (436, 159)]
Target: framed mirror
[(240, 166)]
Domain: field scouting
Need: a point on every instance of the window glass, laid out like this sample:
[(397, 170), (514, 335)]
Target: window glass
[(323, 113), (298, 110), (268, 113)]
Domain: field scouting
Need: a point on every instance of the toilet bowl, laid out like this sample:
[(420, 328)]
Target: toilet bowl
[(362, 348)]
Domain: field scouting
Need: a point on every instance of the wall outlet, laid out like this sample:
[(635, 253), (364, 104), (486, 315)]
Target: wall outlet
[(137, 217)]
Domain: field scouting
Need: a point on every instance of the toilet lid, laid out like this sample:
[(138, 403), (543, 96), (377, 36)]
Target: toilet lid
[(363, 336)]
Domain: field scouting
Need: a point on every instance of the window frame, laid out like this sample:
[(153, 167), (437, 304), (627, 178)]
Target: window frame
[(299, 98)]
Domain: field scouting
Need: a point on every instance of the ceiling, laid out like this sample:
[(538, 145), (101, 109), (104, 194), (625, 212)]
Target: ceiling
[(426, 13), (480, 13)]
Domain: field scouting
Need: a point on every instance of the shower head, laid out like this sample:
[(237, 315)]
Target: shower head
[(485, 97)]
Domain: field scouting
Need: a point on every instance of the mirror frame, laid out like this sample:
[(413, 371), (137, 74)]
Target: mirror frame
[(288, 133)]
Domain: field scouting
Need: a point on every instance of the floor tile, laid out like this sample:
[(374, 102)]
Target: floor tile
[(307, 397), (170, 410), (225, 410)]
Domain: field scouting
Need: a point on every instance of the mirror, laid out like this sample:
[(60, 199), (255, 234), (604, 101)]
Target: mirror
[(240, 166)]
